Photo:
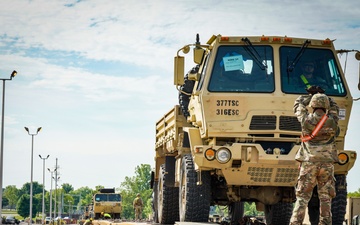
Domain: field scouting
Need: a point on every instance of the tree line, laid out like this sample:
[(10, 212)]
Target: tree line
[(68, 201)]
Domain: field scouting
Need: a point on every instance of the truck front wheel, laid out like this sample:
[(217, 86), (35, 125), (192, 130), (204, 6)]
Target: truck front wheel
[(194, 200)]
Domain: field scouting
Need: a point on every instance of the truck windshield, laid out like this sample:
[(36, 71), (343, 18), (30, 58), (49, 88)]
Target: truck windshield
[(107, 197), (315, 67), (243, 69)]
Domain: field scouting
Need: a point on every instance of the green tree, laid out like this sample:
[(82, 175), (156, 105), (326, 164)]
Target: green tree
[(23, 206), (98, 187), (25, 189), (140, 183), (5, 201), (67, 188), (11, 193), (86, 194), (354, 194)]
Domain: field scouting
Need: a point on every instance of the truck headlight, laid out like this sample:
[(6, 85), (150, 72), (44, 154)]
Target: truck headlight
[(223, 155)]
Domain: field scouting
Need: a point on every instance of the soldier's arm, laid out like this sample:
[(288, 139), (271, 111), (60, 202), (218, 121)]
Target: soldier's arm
[(300, 104), (334, 109)]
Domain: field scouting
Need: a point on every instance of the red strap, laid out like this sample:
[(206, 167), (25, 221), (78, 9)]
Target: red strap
[(316, 130)]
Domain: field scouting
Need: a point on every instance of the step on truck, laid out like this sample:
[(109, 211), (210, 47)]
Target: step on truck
[(233, 136)]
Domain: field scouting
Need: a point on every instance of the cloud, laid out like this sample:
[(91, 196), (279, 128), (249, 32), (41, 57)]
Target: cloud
[(98, 74)]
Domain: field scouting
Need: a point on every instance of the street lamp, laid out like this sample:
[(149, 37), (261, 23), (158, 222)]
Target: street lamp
[(13, 74), (31, 181), (43, 197), (51, 172)]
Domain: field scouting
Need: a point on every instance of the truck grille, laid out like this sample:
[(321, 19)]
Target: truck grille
[(289, 123), (283, 175), (258, 174), (263, 123)]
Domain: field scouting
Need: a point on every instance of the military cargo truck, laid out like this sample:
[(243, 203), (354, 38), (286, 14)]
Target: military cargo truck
[(233, 137), (107, 201)]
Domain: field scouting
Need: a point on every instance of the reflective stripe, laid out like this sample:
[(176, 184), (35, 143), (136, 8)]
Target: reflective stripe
[(306, 82), (316, 130)]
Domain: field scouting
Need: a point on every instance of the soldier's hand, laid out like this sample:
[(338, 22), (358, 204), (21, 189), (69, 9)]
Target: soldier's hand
[(320, 90), (314, 89)]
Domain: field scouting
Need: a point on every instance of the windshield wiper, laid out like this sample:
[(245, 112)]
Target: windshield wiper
[(298, 56), (252, 51)]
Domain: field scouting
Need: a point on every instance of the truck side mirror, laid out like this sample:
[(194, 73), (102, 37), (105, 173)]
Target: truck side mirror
[(198, 55), (357, 57), (179, 68), (359, 78)]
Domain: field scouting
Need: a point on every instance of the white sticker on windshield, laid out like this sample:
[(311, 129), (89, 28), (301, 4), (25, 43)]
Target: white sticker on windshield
[(342, 113), (232, 63)]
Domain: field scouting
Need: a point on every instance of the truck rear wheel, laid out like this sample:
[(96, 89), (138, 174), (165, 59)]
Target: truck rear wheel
[(194, 201), (167, 200), (278, 214), (236, 212)]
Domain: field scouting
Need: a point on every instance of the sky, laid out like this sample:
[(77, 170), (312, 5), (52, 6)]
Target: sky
[(96, 75)]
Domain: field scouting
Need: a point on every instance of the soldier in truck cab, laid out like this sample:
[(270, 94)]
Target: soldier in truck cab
[(308, 78)]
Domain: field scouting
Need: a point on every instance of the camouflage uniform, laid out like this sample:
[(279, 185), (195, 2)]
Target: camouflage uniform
[(317, 156), (138, 205)]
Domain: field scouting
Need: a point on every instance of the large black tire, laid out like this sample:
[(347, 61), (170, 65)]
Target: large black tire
[(278, 214), (338, 204), (167, 200), (194, 201), (187, 87), (236, 212)]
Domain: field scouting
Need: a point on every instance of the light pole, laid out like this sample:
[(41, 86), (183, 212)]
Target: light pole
[(43, 197), (51, 172), (13, 74), (31, 180)]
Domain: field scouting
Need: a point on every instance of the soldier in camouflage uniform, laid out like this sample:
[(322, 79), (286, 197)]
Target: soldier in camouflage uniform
[(317, 155), (138, 205)]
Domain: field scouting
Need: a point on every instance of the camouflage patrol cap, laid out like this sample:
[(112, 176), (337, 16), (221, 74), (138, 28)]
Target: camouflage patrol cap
[(319, 101)]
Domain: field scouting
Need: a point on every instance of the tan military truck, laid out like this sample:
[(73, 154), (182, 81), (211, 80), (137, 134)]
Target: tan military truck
[(107, 201), (233, 137)]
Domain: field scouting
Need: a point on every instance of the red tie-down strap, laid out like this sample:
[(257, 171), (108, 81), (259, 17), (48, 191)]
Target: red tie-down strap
[(316, 130)]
